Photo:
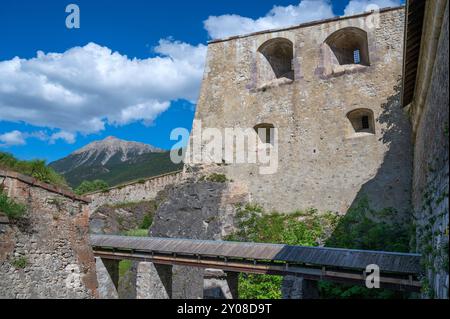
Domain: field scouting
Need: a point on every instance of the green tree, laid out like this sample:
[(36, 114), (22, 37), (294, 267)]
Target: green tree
[(91, 186)]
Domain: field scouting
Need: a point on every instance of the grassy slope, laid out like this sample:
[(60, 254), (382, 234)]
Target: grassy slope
[(35, 168)]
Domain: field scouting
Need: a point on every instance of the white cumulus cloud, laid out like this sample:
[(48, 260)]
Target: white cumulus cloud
[(12, 138), (84, 88), (279, 17), (358, 6), (68, 137), (232, 24)]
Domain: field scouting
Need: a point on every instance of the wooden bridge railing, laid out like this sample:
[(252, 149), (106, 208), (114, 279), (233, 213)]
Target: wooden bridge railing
[(398, 271)]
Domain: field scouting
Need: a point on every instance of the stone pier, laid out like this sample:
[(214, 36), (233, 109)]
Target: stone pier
[(112, 266), (153, 281), (297, 287)]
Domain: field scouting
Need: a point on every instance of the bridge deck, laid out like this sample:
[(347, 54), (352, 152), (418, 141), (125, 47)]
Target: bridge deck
[(249, 256)]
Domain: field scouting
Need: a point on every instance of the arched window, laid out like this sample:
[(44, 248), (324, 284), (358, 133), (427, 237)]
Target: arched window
[(279, 53), (362, 121), (265, 132), (349, 46)]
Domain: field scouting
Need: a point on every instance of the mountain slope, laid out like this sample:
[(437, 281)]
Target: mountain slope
[(114, 161)]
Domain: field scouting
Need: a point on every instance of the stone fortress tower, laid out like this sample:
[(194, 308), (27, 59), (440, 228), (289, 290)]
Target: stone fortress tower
[(332, 90)]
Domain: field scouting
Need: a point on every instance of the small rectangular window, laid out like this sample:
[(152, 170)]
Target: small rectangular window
[(356, 57), (365, 123), (268, 135)]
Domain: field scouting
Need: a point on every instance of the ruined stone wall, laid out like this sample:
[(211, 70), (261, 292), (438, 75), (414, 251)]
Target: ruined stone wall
[(431, 154), (322, 163), (50, 240), (144, 190)]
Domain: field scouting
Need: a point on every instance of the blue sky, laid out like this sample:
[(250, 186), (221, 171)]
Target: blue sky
[(132, 70)]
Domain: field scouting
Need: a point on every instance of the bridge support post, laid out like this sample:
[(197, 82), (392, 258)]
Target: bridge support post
[(153, 281), (112, 266), (106, 287), (297, 287), (233, 284), (187, 282)]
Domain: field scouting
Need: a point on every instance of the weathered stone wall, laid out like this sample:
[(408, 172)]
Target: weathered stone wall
[(144, 190), (197, 209), (431, 153), (51, 240), (322, 164), (118, 219)]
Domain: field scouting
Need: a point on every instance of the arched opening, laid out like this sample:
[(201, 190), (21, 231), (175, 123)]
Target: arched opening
[(279, 53), (349, 46), (362, 121), (265, 133)]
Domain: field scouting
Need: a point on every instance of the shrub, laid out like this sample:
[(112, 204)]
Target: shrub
[(216, 178), (124, 266), (259, 286), (367, 229), (91, 186), (360, 228), (9, 207), (146, 222), (20, 262), (299, 228), (136, 233), (35, 168)]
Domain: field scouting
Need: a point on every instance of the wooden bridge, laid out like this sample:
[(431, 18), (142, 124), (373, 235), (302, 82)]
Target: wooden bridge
[(398, 271)]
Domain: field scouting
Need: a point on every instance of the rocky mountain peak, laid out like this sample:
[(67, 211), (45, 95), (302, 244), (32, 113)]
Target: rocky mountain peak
[(102, 151)]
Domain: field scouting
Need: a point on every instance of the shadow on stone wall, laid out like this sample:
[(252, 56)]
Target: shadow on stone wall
[(380, 217), (390, 188)]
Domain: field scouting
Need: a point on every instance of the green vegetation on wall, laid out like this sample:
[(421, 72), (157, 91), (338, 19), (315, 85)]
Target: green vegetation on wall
[(360, 228), (147, 221), (307, 228), (136, 233), (35, 168), (20, 262), (215, 178), (365, 228), (9, 207), (88, 187)]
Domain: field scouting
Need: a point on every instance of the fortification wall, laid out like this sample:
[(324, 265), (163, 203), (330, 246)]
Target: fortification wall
[(143, 190), (322, 162), (50, 241), (431, 153)]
